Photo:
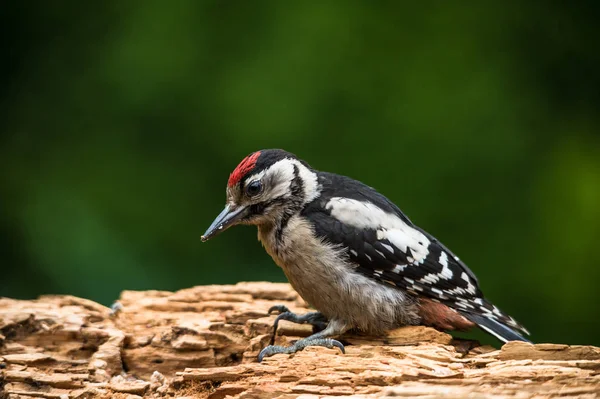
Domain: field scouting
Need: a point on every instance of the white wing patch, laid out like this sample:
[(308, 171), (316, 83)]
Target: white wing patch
[(363, 215)]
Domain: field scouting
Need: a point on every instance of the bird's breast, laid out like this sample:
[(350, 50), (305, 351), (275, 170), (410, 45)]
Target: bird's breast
[(323, 276), (306, 260)]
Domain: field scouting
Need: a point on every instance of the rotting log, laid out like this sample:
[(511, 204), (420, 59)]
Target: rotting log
[(203, 342)]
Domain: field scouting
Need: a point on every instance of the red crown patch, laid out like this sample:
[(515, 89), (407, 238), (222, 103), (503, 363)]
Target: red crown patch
[(244, 167)]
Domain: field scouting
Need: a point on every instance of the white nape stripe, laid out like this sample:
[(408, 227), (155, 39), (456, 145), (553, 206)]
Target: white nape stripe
[(446, 273), (365, 215), (310, 180)]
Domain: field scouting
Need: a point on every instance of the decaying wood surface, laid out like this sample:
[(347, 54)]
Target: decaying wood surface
[(203, 342)]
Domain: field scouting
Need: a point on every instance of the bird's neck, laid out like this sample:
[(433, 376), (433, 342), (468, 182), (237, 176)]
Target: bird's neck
[(274, 230), (303, 187)]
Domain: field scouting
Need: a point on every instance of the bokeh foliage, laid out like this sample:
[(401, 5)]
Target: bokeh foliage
[(121, 120)]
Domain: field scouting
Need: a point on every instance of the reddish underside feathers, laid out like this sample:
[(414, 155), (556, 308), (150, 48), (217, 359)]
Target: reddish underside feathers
[(440, 316)]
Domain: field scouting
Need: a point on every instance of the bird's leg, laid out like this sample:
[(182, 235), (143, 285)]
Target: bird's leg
[(316, 319), (321, 338)]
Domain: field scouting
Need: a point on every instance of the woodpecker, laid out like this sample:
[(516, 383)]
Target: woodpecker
[(352, 254)]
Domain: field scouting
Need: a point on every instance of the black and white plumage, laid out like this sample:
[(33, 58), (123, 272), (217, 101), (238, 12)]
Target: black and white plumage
[(351, 253)]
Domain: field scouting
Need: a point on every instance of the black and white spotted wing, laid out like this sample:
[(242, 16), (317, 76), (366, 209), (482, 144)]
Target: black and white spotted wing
[(386, 246)]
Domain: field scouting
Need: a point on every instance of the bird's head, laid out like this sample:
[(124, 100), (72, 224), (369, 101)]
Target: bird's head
[(263, 188)]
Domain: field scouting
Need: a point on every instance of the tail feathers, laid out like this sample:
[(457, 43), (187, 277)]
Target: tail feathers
[(491, 319), (500, 330)]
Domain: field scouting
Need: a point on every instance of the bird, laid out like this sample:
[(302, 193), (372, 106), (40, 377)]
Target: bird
[(352, 255)]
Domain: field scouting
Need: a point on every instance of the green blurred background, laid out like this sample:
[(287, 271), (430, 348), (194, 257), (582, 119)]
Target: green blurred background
[(121, 120)]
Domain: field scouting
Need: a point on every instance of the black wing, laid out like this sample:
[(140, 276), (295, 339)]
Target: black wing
[(392, 250)]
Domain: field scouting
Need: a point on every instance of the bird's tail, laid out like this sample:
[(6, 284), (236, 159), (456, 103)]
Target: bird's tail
[(497, 323)]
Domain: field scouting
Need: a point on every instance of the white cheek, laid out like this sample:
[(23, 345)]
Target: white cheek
[(282, 181), (280, 175)]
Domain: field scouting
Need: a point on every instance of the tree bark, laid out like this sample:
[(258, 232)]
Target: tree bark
[(203, 342)]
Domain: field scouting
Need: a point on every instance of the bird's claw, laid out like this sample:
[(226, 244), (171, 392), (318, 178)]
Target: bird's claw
[(316, 319), (279, 309), (299, 345)]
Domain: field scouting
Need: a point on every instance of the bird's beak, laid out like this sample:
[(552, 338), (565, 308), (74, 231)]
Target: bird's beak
[(227, 218)]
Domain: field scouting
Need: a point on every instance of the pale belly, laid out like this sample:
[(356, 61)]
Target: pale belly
[(323, 278)]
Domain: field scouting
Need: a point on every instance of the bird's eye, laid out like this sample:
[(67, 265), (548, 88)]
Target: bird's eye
[(254, 188)]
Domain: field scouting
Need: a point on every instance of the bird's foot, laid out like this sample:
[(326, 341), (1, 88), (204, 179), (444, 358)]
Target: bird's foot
[(316, 319), (299, 345)]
